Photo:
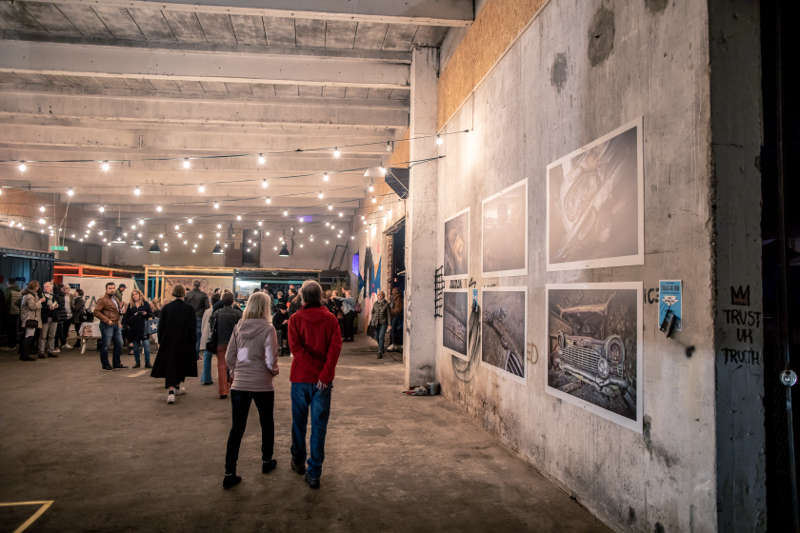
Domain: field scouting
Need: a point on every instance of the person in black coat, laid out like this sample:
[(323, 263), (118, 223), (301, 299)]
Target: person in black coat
[(136, 319), (176, 357)]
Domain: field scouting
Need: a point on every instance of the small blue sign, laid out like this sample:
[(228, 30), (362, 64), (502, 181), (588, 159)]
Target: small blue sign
[(670, 299)]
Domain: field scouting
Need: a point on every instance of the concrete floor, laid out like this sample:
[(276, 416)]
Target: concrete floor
[(114, 456)]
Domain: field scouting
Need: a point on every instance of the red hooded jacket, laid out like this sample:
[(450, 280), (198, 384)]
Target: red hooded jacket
[(315, 342)]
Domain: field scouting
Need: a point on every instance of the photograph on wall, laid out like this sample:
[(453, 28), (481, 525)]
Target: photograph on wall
[(456, 245), (455, 312), (595, 210), (594, 348), (504, 235), (503, 329)]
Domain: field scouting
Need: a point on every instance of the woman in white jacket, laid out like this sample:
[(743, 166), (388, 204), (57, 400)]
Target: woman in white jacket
[(252, 361)]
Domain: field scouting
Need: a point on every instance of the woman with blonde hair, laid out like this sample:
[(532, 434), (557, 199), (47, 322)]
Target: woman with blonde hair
[(135, 319), (252, 361)]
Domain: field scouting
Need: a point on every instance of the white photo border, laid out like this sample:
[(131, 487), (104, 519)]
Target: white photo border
[(633, 425), (499, 371), (638, 258), (444, 247)]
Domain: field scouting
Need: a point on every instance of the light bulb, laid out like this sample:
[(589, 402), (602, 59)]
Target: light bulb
[(320, 195), (101, 209), (189, 220), (42, 221), (42, 209), (22, 167), (219, 226), (374, 200), (261, 159), (216, 205), (187, 163), (199, 235), (260, 223), (70, 192), (264, 183), (380, 208), (201, 188), (218, 234), (239, 217), (133, 226), (104, 166), (326, 177), (330, 207), (267, 200), (439, 140), (388, 146), (267, 234), (137, 191), (341, 214), (286, 213), (371, 188), (141, 222), (159, 209), (160, 235), (336, 153), (301, 245), (382, 170)]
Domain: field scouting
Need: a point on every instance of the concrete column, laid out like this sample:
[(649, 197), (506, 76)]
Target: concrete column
[(419, 337)]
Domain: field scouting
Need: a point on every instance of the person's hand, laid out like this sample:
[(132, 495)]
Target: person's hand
[(41, 300), (322, 386), (276, 371)]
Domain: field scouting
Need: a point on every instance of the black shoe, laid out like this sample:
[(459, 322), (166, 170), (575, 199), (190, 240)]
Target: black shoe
[(26, 358), (137, 365), (120, 366), (380, 356), (313, 482), (231, 480), (148, 366), (42, 356), (209, 383), (269, 466), (223, 396), (52, 355), (107, 367), (299, 469)]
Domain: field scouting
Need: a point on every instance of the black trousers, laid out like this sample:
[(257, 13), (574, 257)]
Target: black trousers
[(347, 325), (240, 407)]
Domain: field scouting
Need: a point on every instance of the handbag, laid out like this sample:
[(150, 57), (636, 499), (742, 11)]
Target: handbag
[(31, 323), (211, 345), (151, 326)]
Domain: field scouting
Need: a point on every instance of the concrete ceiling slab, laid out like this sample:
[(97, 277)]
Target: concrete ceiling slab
[(249, 30), (119, 22), (153, 24)]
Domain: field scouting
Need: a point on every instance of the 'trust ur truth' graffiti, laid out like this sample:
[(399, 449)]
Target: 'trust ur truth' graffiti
[(742, 321)]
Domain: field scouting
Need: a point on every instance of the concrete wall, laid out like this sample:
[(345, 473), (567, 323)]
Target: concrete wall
[(580, 70), (22, 240)]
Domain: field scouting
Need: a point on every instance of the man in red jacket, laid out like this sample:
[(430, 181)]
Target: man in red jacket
[(315, 342)]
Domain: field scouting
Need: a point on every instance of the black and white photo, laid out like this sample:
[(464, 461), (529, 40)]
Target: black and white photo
[(504, 329), (456, 245), (504, 235), (594, 348), (595, 211), (455, 314)]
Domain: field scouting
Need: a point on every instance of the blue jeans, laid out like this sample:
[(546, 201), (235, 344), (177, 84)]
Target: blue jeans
[(305, 395), (137, 349), (380, 336), (198, 332), (107, 334), (206, 376)]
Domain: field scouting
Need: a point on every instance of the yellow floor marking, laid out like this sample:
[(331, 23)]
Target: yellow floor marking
[(137, 374), (44, 506)]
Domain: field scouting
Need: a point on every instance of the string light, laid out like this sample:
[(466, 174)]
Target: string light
[(219, 226), (374, 200), (159, 209), (102, 209), (260, 223), (42, 221), (439, 140), (187, 163), (201, 188), (382, 170), (261, 159), (326, 177), (42, 209), (104, 166), (286, 213), (371, 188), (216, 205), (330, 207), (267, 200), (320, 195), (160, 235), (70, 192), (388, 146), (141, 222), (336, 153), (22, 167), (189, 221), (239, 217), (137, 191), (264, 183)]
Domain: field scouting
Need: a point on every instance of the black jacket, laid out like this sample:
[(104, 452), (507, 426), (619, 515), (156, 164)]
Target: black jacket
[(198, 300), (46, 311), (278, 318), (135, 318), (223, 321), (177, 333), (78, 310)]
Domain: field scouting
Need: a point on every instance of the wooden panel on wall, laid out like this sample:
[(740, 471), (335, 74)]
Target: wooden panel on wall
[(496, 28)]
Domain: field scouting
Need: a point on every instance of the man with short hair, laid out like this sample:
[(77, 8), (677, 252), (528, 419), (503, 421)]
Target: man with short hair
[(109, 309), (47, 337), (222, 321), (315, 342), (199, 302)]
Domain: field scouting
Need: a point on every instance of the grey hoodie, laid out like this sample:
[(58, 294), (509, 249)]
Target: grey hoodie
[(252, 355)]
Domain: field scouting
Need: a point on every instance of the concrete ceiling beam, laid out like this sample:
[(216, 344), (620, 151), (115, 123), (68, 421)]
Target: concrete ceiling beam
[(29, 57), (451, 13), (23, 106)]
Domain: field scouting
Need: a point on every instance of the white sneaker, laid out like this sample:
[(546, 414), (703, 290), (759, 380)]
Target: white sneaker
[(56, 351), (391, 348), (171, 397), (182, 389), (68, 346)]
